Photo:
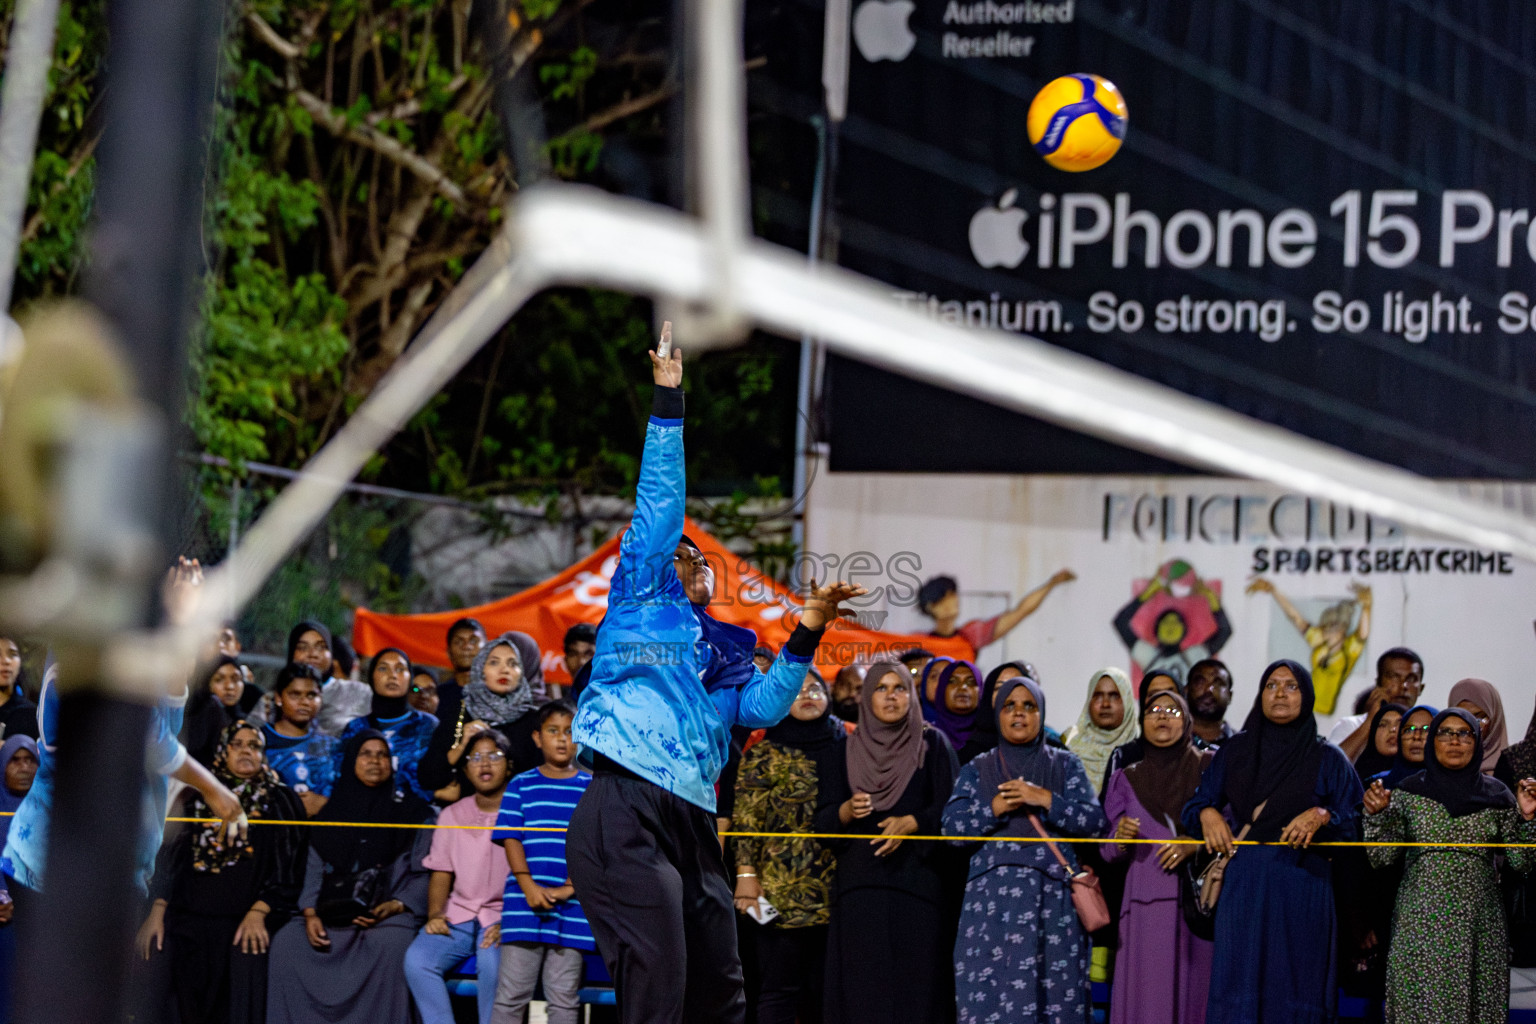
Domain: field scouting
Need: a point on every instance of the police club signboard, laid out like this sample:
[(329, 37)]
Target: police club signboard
[(1320, 216)]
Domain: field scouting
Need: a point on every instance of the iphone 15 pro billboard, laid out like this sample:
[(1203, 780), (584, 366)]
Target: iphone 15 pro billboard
[(1320, 214)]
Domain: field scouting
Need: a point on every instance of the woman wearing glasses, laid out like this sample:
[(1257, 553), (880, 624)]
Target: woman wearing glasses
[(1481, 700), (218, 902), (1370, 893), (1450, 953), (464, 894), (1275, 924), (1163, 971)]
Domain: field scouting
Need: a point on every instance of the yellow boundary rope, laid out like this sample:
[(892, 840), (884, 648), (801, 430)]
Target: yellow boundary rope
[(860, 835), (868, 836)]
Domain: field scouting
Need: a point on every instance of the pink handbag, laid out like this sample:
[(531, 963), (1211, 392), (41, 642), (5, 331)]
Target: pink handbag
[(1087, 895)]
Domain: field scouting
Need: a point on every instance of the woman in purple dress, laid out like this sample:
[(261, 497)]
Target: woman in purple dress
[(1163, 971)]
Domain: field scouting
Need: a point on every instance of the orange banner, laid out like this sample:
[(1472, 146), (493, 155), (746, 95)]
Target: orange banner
[(743, 596)]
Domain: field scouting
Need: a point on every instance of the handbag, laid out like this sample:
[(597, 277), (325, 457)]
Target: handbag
[(1087, 894), (346, 896), (1208, 882)]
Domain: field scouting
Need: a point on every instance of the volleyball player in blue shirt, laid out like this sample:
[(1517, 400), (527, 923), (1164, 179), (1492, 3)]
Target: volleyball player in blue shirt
[(667, 683)]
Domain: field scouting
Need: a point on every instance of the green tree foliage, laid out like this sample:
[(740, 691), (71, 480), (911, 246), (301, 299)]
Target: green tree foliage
[(357, 166), (59, 197)]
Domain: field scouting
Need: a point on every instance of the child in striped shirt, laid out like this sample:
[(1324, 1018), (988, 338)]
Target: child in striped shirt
[(542, 926)]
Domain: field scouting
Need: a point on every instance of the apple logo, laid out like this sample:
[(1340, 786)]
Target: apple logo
[(996, 234), (880, 28)]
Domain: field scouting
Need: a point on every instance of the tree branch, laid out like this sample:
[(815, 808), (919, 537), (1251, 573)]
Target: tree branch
[(628, 108), (597, 122), (335, 122), (411, 107), (269, 35), (35, 222)]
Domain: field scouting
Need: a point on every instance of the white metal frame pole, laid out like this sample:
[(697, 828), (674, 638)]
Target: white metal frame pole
[(567, 234), (718, 153), (27, 61), (582, 235)]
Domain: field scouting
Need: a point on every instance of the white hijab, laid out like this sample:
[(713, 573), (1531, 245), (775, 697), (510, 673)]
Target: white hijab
[(1093, 744)]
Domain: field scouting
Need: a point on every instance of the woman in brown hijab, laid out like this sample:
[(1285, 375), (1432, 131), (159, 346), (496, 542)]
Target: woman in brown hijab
[(888, 956), (1482, 699)]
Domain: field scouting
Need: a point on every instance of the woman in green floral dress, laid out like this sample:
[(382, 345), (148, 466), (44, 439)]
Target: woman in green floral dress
[(776, 791), (1449, 962)]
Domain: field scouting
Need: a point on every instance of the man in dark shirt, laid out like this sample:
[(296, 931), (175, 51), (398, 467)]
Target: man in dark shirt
[(1210, 691), (465, 638)]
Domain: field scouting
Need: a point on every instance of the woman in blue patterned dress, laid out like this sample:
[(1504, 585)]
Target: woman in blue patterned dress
[(1022, 955)]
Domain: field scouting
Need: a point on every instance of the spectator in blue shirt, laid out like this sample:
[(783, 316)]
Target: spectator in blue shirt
[(407, 730), (667, 683), (302, 755)]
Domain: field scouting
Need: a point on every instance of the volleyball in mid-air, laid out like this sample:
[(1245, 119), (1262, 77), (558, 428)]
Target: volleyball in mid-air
[(1077, 122)]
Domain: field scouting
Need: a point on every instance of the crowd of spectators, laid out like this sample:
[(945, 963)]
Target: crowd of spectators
[(348, 921)]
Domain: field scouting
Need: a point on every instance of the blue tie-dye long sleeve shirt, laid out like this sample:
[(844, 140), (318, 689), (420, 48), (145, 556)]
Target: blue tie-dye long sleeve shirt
[(668, 681), (26, 845)]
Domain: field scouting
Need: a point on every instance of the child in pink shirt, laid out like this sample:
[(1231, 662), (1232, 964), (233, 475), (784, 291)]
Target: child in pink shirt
[(469, 874)]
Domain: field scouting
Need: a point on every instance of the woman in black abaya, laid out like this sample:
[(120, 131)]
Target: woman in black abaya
[(364, 897), (1275, 924)]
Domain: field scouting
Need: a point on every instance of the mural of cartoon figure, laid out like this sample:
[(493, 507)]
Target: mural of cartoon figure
[(1334, 648), (1175, 620)]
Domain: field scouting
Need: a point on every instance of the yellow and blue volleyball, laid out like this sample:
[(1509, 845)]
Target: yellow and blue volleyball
[(1077, 122)]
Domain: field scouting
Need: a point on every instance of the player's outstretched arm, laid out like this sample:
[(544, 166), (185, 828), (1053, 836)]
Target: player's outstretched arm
[(645, 561), (768, 697)]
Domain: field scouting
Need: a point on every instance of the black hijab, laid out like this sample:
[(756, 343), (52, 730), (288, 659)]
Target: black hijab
[(206, 717), (1521, 756), (1401, 766), (1461, 791), (350, 850), (810, 737), (984, 733), (386, 708), (1272, 762), (298, 632), (1178, 687), (1372, 762)]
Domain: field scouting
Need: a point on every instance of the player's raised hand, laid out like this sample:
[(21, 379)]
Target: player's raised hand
[(822, 606), (179, 592), (666, 361)]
